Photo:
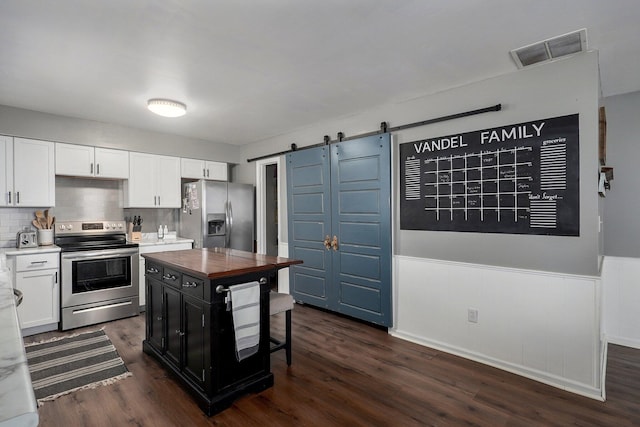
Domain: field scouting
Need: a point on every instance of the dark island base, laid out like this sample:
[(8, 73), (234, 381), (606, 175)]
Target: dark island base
[(220, 401)]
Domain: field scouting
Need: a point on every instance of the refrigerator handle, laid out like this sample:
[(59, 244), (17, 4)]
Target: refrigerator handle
[(229, 224)]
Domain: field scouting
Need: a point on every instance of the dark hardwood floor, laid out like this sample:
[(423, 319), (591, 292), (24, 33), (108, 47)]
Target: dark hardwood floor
[(346, 373)]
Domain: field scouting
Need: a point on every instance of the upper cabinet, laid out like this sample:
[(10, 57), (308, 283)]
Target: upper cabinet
[(28, 176), (87, 161), (203, 169), (154, 181), (6, 174)]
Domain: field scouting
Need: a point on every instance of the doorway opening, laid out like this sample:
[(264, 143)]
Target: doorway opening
[(268, 173)]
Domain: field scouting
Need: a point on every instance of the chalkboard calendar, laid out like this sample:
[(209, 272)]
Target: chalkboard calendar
[(519, 179)]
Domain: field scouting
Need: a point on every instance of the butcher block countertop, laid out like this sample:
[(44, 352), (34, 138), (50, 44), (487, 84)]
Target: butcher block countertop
[(214, 263)]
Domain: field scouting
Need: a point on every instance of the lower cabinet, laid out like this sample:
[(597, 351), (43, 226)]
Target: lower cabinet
[(151, 248), (190, 330), (36, 276), (193, 339)]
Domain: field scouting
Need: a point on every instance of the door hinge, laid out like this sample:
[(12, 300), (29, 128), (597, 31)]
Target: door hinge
[(162, 342), (203, 375), (203, 320)]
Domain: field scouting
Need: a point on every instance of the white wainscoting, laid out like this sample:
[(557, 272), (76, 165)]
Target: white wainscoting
[(621, 300), (283, 275), (541, 325)]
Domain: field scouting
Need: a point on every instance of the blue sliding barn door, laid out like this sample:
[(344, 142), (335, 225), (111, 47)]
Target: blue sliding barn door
[(309, 218), (340, 225)]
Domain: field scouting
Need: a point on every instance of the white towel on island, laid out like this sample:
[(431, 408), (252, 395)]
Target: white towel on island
[(245, 309)]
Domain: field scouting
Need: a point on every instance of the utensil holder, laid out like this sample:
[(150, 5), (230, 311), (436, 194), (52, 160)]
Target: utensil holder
[(45, 237)]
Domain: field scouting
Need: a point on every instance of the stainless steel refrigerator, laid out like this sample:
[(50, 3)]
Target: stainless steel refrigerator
[(218, 214)]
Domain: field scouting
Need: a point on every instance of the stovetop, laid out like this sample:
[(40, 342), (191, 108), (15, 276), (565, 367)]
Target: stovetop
[(91, 235)]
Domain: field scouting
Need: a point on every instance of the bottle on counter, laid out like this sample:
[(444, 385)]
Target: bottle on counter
[(160, 232), (165, 231)]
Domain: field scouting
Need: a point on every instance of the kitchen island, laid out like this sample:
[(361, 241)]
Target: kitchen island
[(189, 326)]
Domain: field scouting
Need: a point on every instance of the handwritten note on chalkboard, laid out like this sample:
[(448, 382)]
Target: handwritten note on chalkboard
[(518, 179)]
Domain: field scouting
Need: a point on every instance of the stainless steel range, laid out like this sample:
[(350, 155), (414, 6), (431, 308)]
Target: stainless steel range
[(99, 271)]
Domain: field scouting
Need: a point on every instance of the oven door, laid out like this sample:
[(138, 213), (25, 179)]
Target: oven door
[(97, 276)]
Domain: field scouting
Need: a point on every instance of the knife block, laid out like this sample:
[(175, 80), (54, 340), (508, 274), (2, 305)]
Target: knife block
[(134, 236)]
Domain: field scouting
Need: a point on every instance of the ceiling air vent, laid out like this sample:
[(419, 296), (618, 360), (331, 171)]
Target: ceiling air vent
[(550, 49)]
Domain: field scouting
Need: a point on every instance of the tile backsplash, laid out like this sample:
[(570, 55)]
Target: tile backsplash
[(79, 199), (13, 220)]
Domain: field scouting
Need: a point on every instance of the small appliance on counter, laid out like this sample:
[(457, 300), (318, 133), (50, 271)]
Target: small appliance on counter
[(26, 239)]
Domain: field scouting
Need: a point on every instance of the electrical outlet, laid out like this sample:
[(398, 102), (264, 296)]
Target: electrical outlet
[(472, 315)]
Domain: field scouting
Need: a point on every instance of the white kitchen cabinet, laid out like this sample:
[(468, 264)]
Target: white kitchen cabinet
[(28, 178), (154, 181), (166, 246), (36, 276), (88, 161), (6, 175), (203, 169)]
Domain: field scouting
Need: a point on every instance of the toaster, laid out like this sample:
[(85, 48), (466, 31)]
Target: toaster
[(26, 239)]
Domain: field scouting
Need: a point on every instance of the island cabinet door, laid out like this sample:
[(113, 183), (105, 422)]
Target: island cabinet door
[(230, 372), (155, 314), (173, 327), (194, 319)]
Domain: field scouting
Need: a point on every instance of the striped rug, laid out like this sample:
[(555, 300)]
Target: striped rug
[(72, 363)]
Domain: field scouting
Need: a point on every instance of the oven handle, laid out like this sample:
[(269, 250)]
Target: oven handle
[(99, 254)]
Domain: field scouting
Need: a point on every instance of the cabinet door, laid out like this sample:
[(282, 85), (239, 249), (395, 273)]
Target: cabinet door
[(192, 168), (34, 172), (193, 318), (217, 170), (173, 331), (155, 314), (140, 188), (74, 160), (111, 163), (169, 188), (6, 174), (41, 302)]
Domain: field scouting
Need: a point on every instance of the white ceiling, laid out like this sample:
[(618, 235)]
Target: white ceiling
[(253, 69)]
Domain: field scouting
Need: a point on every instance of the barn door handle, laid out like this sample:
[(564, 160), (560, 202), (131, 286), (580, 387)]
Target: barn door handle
[(327, 242), (334, 243)]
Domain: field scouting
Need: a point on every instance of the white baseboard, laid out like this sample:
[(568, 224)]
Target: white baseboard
[(39, 329)]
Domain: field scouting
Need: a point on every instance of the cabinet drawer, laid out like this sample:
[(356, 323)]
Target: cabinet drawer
[(152, 270), (37, 261), (192, 286), (171, 277)]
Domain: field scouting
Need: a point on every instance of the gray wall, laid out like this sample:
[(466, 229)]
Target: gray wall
[(564, 87), (92, 199), (50, 127), (622, 202)]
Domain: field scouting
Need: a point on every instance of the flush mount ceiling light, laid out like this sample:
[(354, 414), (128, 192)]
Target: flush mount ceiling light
[(550, 49), (166, 107)]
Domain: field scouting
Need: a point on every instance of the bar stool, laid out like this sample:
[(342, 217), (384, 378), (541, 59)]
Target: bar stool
[(277, 304)]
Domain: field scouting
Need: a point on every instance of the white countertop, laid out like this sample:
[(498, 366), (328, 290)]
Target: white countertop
[(28, 251), (151, 239), (17, 402)]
